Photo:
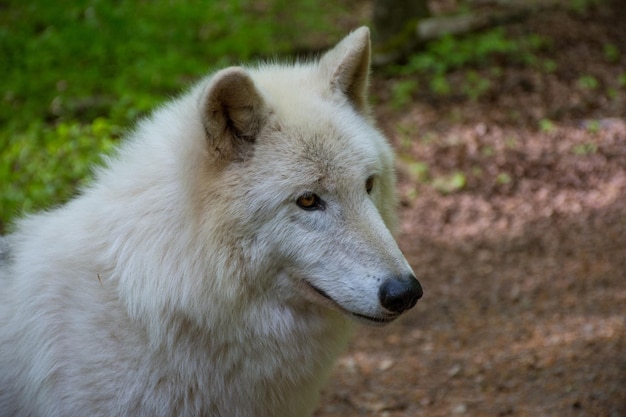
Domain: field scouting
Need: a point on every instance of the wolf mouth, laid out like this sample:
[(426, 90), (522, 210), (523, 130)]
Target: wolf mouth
[(370, 319)]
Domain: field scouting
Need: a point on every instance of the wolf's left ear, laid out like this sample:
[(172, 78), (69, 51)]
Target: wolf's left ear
[(348, 65)]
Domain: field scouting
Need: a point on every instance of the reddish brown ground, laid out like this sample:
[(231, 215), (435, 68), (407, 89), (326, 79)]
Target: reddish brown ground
[(524, 268)]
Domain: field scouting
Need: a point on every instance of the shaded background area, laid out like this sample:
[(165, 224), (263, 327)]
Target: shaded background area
[(511, 144), (514, 214)]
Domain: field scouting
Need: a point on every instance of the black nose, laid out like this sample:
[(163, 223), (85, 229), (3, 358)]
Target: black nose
[(398, 294)]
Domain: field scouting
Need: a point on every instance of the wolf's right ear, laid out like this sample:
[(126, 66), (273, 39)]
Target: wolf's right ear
[(234, 111)]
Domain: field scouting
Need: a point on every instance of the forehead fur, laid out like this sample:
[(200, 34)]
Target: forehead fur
[(319, 131)]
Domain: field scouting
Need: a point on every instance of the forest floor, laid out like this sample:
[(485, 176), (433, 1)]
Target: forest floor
[(524, 265)]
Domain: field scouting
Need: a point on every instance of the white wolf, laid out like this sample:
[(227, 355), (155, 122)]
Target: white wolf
[(214, 266)]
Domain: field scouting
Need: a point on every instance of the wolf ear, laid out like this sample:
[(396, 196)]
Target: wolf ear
[(347, 66), (235, 111)]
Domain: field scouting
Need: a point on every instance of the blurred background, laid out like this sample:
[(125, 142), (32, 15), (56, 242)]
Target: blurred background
[(509, 122)]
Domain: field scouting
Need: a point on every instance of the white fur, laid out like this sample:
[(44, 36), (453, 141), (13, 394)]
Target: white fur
[(178, 283)]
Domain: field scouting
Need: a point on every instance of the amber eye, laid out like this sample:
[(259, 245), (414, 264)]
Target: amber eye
[(369, 184), (309, 201)]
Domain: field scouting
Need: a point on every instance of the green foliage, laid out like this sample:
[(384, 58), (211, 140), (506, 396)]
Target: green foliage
[(475, 85), (588, 82), (582, 6), (479, 50), (46, 164), (611, 93), (439, 85), (594, 126), (402, 91), (611, 53), (65, 64), (546, 125), (548, 66), (419, 170), (503, 178), (133, 51), (488, 151), (585, 149), (450, 183)]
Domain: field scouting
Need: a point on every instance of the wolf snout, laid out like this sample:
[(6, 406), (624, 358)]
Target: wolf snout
[(399, 294)]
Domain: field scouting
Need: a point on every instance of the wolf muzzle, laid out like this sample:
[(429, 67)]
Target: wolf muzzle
[(399, 294)]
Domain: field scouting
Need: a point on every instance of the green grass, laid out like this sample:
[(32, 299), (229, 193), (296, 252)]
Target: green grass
[(475, 51), (73, 74)]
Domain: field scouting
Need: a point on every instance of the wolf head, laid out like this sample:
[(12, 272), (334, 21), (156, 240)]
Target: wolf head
[(306, 182)]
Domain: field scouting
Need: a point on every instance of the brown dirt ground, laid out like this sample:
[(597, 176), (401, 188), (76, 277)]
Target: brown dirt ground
[(524, 268)]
